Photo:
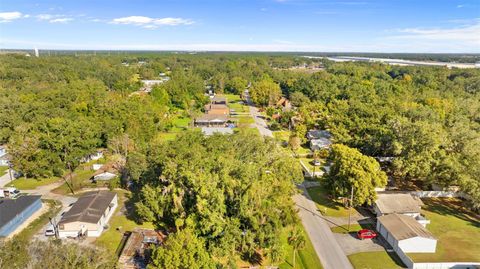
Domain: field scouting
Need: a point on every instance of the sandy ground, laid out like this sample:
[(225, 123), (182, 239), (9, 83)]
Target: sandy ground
[(33, 217)]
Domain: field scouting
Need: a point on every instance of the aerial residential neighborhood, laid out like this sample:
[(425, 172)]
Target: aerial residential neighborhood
[(276, 134)]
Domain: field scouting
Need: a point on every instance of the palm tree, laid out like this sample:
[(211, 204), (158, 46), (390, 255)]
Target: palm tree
[(297, 241)]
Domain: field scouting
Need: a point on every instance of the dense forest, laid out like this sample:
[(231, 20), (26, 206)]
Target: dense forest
[(229, 196)]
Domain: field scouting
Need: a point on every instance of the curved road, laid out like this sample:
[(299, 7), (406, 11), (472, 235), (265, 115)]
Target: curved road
[(326, 246)]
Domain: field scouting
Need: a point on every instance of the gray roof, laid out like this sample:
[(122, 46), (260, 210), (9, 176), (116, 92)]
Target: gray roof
[(317, 134), (403, 227), (388, 203), (10, 208), (89, 207)]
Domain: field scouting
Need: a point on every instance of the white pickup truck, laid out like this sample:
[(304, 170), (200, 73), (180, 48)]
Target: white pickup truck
[(9, 192)]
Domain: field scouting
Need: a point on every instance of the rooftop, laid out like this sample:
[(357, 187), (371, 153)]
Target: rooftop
[(9, 208), (211, 118), (389, 203), (89, 207), (403, 227)]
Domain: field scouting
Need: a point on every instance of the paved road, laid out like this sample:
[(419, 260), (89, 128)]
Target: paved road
[(260, 123), (326, 246)]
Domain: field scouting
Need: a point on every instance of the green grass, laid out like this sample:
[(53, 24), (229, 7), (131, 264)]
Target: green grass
[(343, 229), (110, 239), (81, 179), (245, 120), (31, 183), (281, 136), (3, 170), (232, 97), (306, 258), (37, 224), (375, 260), (456, 229), (181, 122), (333, 209), (308, 162), (167, 136)]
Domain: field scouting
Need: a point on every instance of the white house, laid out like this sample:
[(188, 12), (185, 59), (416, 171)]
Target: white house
[(399, 203), (4, 158), (89, 215), (321, 143), (104, 176), (406, 234)]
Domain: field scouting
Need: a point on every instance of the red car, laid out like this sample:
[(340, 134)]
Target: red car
[(366, 234)]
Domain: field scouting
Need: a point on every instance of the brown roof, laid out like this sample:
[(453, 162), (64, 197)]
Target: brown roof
[(403, 227), (389, 203), (211, 117), (89, 207)]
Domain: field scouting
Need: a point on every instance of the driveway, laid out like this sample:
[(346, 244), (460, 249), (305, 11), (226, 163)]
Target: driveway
[(351, 244)]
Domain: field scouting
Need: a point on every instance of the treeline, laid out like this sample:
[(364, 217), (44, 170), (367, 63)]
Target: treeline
[(426, 118)]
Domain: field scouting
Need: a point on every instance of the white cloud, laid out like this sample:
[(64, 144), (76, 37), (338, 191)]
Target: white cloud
[(151, 23), (462, 38), (54, 18), (10, 16), (61, 20), (44, 17)]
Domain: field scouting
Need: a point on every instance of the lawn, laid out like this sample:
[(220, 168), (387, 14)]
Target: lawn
[(81, 179), (181, 122), (167, 136), (31, 183), (308, 162), (306, 258), (375, 260), (110, 239), (456, 229), (246, 120), (333, 209), (232, 97), (281, 136), (3, 170)]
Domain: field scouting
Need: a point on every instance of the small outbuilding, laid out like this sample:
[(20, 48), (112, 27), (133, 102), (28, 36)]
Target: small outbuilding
[(89, 215), (14, 212), (406, 234), (400, 203)]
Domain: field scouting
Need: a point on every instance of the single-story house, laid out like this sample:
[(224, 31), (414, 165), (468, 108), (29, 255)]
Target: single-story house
[(321, 143), (284, 103), (213, 130), (218, 100), (400, 203), (14, 212), (104, 176), (406, 234), (317, 134), (4, 157), (217, 109), (211, 120), (89, 215), (97, 166)]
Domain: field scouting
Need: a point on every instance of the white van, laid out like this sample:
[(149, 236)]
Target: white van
[(10, 192)]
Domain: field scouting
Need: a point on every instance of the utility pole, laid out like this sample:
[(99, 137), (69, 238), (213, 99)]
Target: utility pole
[(350, 209)]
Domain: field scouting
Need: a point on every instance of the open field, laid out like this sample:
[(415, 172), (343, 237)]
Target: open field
[(457, 231), (31, 183), (333, 209), (375, 260)]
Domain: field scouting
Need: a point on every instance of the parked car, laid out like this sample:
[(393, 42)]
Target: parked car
[(366, 234), (50, 231), (316, 162)]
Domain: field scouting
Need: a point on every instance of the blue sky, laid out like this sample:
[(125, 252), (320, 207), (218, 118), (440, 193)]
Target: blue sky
[(243, 25)]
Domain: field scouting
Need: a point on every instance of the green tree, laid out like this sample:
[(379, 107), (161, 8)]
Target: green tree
[(351, 169), (296, 239), (182, 250), (265, 92)]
